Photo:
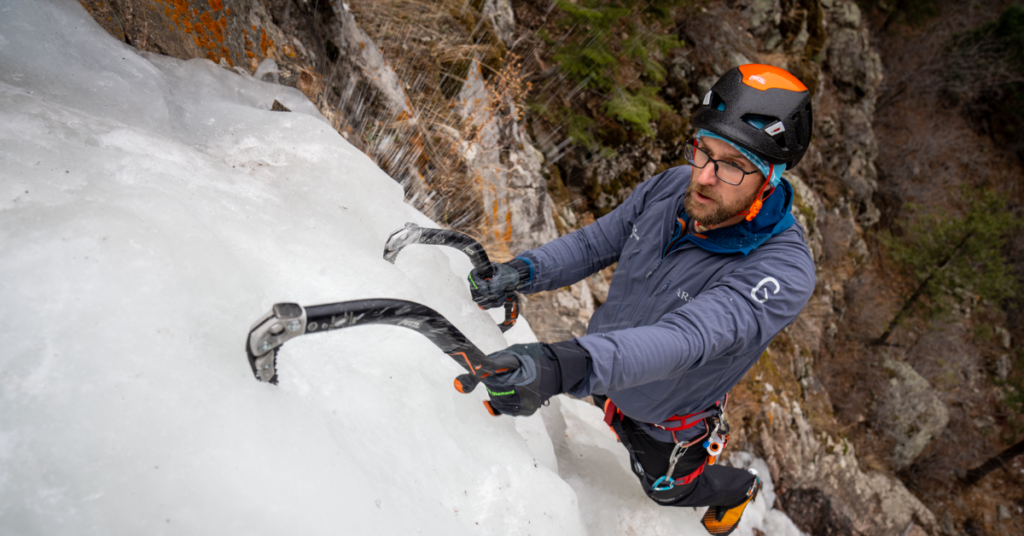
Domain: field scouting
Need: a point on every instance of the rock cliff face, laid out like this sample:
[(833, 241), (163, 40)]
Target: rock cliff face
[(518, 212), (502, 158), (824, 485), (440, 105)]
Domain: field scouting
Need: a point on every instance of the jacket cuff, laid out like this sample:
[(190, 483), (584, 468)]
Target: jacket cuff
[(525, 269), (573, 361)]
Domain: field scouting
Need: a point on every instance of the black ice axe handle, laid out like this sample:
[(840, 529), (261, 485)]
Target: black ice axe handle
[(285, 321), (414, 234)]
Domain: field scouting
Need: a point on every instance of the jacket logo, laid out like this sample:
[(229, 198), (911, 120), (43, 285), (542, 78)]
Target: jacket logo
[(683, 295), (634, 235), (761, 287)]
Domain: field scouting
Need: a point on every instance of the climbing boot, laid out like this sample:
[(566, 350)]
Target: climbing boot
[(722, 519)]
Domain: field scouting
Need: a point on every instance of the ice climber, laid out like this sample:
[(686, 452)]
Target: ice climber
[(711, 266)]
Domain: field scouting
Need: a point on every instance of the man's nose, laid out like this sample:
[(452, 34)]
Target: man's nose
[(707, 175)]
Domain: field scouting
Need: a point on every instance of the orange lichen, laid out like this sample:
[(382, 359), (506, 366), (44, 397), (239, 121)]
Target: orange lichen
[(209, 34), (265, 42), (178, 11), (214, 26), (496, 235)]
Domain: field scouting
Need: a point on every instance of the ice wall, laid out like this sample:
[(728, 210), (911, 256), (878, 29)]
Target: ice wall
[(152, 209)]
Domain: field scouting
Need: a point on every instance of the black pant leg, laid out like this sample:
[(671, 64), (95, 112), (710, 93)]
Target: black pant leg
[(717, 485)]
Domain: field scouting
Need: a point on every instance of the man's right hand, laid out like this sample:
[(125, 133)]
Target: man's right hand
[(491, 293), (544, 371)]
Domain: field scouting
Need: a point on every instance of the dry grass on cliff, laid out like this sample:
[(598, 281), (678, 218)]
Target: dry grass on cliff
[(431, 45)]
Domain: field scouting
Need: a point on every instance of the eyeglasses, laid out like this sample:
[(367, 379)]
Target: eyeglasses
[(726, 172)]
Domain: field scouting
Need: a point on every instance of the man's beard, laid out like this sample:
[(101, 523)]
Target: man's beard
[(715, 213)]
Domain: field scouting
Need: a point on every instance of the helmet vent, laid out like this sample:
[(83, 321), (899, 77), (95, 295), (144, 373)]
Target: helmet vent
[(714, 100), (799, 127), (759, 121)]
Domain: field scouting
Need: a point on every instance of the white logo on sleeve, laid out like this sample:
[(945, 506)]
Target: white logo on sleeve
[(634, 235), (761, 289)]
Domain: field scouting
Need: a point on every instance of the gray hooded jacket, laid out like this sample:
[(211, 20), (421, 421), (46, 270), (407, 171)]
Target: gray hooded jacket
[(687, 314)]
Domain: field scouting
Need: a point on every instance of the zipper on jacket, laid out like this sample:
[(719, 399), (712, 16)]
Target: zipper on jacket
[(679, 230), (643, 291), (629, 258), (656, 265)]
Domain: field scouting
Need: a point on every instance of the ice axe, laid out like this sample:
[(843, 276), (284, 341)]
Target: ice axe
[(414, 234), (285, 321)]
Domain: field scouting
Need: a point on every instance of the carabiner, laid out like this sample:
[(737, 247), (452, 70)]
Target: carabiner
[(657, 483)]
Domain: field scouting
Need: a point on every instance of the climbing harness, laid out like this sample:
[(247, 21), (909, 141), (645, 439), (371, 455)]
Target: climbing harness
[(714, 439)]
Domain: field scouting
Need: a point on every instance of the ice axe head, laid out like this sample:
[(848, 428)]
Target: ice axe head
[(410, 234), (284, 321)]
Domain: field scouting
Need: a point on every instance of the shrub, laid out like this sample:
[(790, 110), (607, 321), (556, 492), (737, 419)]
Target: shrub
[(613, 47), (637, 109), (947, 254)]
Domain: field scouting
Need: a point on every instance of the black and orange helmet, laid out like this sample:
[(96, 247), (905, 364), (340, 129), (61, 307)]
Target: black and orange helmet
[(762, 108)]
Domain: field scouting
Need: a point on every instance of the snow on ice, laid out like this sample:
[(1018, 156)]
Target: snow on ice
[(150, 210)]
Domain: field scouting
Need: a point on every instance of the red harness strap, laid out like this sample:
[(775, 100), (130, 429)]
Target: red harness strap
[(686, 421), (690, 477), (683, 422), (610, 411)]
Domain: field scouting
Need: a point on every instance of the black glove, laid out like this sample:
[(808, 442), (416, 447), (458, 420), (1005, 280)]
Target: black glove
[(545, 371), (491, 293)]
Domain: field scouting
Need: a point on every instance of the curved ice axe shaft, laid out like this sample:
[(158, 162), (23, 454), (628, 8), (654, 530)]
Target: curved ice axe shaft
[(414, 234), (289, 320)]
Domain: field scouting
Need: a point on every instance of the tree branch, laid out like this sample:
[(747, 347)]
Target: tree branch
[(920, 290), (976, 474)]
